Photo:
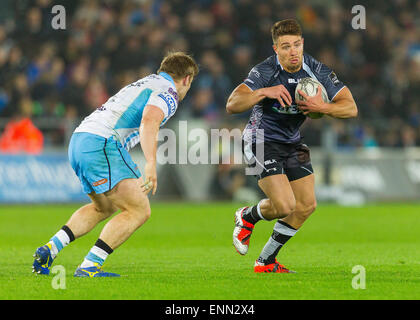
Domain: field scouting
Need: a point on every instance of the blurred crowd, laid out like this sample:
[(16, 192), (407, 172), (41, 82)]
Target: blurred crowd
[(66, 74)]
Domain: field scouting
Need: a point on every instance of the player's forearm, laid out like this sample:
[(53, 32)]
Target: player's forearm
[(343, 105), (242, 101), (148, 139), (342, 109)]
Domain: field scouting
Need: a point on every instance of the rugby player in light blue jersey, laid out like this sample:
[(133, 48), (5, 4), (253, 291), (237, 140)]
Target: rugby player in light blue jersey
[(98, 153)]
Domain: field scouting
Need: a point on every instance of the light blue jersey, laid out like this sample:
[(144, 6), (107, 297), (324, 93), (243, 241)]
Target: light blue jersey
[(121, 115), (98, 150)]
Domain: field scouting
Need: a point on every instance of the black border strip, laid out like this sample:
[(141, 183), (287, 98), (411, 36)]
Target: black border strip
[(116, 144), (211, 309), (109, 167)]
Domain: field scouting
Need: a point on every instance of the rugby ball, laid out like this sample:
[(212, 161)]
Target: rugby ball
[(310, 87)]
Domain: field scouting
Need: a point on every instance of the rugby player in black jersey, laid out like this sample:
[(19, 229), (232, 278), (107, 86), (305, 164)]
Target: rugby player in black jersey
[(285, 173)]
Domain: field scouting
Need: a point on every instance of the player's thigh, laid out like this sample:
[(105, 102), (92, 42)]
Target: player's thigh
[(127, 195), (304, 193), (278, 189)]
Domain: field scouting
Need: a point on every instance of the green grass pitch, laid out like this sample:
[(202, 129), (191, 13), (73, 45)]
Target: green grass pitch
[(185, 252)]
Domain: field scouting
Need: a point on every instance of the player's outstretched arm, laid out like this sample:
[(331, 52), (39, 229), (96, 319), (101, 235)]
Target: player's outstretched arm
[(149, 129), (243, 98), (342, 106)]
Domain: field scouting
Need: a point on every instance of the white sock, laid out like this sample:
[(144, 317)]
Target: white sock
[(87, 264), (95, 255), (259, 211), (58, 242)]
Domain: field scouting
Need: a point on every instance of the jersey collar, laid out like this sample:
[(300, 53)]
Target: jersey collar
[(167, 77), (278, 62)]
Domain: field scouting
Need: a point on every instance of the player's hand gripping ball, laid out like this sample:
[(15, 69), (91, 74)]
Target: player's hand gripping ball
[(310, 87)]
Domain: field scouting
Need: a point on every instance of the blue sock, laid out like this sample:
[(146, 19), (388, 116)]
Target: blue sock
[(97, 255), (60, 240)]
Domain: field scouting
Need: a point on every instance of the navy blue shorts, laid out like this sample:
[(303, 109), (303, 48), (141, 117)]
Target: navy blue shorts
[(293, 160)]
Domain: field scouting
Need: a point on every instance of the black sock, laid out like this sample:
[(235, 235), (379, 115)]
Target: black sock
[(251, 215), (69, 232), (101, 244)]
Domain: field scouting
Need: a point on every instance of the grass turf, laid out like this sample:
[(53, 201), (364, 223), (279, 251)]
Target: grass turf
[(185, 252)]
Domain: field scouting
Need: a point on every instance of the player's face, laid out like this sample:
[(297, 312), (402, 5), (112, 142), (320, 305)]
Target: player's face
[(186, 85), (289, 49)]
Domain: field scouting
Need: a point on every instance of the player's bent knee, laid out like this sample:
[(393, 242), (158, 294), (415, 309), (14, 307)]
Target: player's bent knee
[(305, 210), (311, 207), (284, 207), (314, 205), (104, 210), (276, 213), (141, 215), (147, 213)]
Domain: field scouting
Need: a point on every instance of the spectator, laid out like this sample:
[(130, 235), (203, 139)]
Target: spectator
[(108, 44)]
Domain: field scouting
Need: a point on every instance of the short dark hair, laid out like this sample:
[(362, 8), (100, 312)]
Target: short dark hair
[(285, 27), (178, 65)]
